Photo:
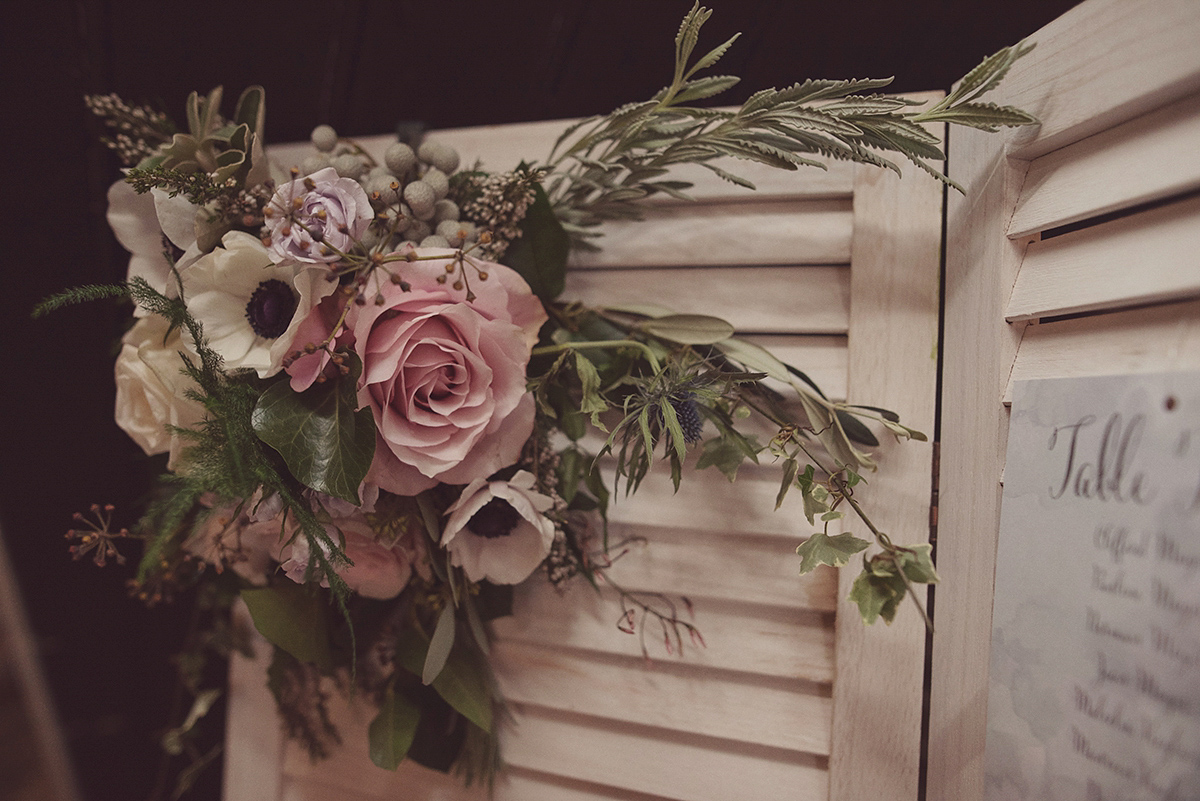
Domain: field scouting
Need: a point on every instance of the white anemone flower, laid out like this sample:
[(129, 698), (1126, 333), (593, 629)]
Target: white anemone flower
[(496, 529), (249, 306)]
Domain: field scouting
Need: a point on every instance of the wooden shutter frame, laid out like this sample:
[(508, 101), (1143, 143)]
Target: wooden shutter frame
[(1100, 65)]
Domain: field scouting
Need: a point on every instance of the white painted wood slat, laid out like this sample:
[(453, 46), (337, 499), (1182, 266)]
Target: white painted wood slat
[(1147, 158), (683, 767), (749, 232), (1154, 339), (667, 694), (1100, 64), (1104, 63), (801, 300), (1147, 257), (772, 641)]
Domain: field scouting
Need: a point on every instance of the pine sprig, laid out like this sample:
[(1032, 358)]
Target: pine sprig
[(79, 294)]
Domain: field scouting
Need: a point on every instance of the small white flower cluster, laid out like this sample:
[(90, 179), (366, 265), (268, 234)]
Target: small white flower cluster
[(409, 191), (499, 203)]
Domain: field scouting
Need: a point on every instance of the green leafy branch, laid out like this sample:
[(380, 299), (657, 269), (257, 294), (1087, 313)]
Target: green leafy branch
[(604, 165)]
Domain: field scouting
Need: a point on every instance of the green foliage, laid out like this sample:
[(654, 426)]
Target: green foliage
[(464, 682), (821, 549), (326, 441), (616, 160), (79, 294), (197, 187), (392, 731), (540, 254), (292, 617), (439, 646)]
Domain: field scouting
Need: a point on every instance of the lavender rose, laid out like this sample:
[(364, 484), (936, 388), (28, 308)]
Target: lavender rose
[(444, 377), (317, 218)]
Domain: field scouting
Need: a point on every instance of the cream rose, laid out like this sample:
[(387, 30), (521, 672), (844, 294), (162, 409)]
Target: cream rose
[(151, 387)]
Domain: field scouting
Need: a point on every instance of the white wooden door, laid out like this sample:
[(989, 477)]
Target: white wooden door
[(1074, 252), (837, 272)]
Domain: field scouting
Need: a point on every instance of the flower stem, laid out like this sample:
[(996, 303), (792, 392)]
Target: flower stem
[(605, 344)]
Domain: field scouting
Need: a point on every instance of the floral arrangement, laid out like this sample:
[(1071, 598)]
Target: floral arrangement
[(373, 401)]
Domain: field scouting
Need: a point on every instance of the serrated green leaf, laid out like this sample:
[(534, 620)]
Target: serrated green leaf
[(713, 56), (705, 87), (821, 549), (728, 176), (591, 402), (439, 645), (292, 618), (540, 254), (326, 444), (689, 329), (391, 732)]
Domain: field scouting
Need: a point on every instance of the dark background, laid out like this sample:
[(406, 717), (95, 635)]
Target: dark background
[(362, 67)]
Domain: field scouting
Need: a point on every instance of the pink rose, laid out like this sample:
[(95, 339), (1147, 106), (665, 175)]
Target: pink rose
[(317, 218), (381, 569), (444, 377)]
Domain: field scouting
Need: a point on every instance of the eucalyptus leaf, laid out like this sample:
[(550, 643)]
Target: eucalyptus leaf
[(463, 682), (291, 617), (689, 329), (856, 430), (326, 444), (391, 733), (439, 646)]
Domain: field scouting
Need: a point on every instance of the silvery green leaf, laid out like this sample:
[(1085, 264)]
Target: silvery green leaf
[(755, 357), (706, 87), (689, 329), (713, 56), (728, 176), (439, 645)]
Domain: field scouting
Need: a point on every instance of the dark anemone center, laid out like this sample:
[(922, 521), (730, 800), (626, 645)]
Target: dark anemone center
[(271, 308), (497, 518)]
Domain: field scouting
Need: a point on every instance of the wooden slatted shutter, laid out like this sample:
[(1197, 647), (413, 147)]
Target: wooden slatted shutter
[(1073, 253), (792, 698)]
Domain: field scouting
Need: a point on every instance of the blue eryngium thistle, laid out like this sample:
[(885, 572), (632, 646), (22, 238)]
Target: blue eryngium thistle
[(689, 416)]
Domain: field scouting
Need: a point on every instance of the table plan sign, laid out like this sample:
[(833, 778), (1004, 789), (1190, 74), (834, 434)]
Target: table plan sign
[(1095, 667)]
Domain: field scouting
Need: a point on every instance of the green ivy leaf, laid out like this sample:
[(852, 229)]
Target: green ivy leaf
[(917, 563), (878, 591), (723, 453), (391, 733), (292, 618), (821, 549), (540, 254), (326, 444)]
